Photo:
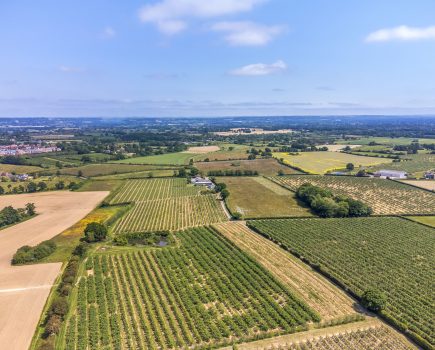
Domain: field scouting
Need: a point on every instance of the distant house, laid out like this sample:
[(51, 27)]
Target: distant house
[(203, 181), (430, 175), (391, 174)]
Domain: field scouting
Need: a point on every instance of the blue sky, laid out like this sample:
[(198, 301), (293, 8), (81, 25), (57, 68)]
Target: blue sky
[(216, 57)]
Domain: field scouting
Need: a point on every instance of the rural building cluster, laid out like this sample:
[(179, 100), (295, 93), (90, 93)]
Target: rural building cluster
[(16, 150)]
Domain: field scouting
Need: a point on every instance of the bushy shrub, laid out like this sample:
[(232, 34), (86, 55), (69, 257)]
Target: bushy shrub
[(27, 254), (95, 232)]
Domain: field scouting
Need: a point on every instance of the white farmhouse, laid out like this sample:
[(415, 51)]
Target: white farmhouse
[(200, 181), (391, 174)]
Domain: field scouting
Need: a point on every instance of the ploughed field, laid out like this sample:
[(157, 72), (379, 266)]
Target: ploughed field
[(385, 197), (190, 294), (165, 204), (393, 255)]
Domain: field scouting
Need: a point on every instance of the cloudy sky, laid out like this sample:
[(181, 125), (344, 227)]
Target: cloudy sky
[(216, 57)]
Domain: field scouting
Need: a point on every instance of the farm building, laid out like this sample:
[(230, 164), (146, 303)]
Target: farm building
[(200, 181), (430, 175), (391, 174)]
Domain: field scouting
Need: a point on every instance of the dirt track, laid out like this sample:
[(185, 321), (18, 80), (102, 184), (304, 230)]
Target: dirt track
[(24, 289)]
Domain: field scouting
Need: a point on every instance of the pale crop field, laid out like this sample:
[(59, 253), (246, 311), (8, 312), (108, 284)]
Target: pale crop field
[(322, 162), (385, 197), (322, 296)]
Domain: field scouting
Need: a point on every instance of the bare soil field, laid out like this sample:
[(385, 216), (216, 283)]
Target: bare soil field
[(369, 334), (202, 149), (24, 289), (425, 184), (326, 299)]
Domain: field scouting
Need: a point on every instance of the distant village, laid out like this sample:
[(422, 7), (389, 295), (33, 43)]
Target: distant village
[(17, 150)]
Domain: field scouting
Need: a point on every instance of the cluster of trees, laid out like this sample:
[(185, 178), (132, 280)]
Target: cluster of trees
[(14, 160), (232, 173), (10, 215), (222, 189), (27, 254), (253, 153), (143, 238), (37, 187), (326, 205), (95, 232)]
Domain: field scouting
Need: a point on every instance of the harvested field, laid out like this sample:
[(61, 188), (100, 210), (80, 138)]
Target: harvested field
[(322, 162), (257, 197), (390, 254), (322, 296), (24, 290), (237, 152), (365, 335), (267, 167), (202, 149), (386, 197), (203, 293), (425, 184)]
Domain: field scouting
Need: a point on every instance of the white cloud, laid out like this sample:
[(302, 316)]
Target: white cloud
[(258, 69), (247, 33), (170, 16), (109, 32), (403, 33), (69, 69)]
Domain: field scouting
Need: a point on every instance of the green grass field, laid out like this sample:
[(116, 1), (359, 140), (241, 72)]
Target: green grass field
[(393, 255), (19, 169), (138, 174), (257, 197), (385, 197), (179, 158), (323, 162), (268, 167), (91, 170), (188, 296), (427, 220)]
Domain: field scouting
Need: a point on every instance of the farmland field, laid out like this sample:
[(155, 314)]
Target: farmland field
[(323, 297), (171, 214), (268, 167), (191, 295), (417, 163), (238, 152), (179, 158), (138, 174), (386, 197), (322, 162), (425, 184), (427, 220), (140, 190), (258, 197), (165, 204), (106, 169), (393, 255), (364, 335), (19, 169), (391, 141)]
